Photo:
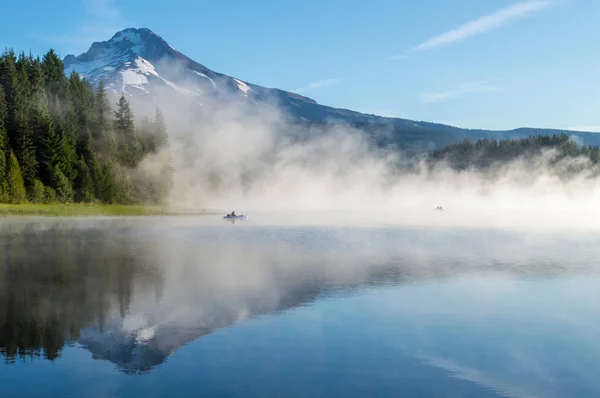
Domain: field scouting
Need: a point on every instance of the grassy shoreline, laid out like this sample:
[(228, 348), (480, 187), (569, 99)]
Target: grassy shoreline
[(81, 210)]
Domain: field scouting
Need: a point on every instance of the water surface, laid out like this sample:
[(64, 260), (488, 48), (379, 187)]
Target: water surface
[(199, 306)]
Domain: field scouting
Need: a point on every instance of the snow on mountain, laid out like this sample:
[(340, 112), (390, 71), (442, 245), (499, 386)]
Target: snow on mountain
[(142, 65), (138, 62), (242, 86)]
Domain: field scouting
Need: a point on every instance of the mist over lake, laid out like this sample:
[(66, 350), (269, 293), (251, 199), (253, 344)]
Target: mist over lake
[(201, 306)]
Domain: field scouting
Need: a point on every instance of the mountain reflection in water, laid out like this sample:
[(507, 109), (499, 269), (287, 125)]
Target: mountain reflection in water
[(134, 291)]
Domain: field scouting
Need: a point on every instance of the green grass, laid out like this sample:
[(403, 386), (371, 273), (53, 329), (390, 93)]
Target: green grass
[(80, 210)]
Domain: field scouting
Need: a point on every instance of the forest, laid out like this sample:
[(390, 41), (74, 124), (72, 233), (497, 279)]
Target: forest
[(62, 141), (486, 153)]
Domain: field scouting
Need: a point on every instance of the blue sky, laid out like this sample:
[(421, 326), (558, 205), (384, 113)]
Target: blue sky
[(495, 64)]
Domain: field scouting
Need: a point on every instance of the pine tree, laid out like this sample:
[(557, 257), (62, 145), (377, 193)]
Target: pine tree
[(101, 128), (51, 151), (23, 74), (15, 97), (95, 169), (159, 132), (16, 186), (145, 135), (14, 78), (61, 184), (4, 150), (54, 74), (25, 153), (130, 151), (36, 74), (84, 185), (58, 142), (68, 160), (106, 189), (37, 192), (81, 100)]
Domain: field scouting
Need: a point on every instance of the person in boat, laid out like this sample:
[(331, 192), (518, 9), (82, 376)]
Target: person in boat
[(233, 214)]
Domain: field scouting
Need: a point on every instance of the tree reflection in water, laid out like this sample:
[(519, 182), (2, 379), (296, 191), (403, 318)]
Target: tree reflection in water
[(56, 280)]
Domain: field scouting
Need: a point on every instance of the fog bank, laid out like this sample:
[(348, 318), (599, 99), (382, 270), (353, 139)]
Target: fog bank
[(233, 154)]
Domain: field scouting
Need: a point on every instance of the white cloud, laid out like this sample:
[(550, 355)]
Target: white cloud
[(590, 127), (477, 377), (479, 86), (485, 23), (317, 84)]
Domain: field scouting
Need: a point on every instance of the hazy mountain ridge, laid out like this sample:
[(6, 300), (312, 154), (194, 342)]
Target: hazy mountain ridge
[(140, 63)]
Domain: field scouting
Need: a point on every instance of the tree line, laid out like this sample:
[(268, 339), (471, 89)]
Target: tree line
[(61, 141), (485, 153)]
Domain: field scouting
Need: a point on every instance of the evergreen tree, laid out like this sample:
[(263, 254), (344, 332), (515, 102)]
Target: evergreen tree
[(54, 74), (62, 185), (51, 152), (130, 151), (37, 192), (23, 75), (81, 99), (106, 189), (15, 97), (16, 186), (101, 128), (25, 153), (84, 185), (145, 135), (60, 140), (44, 133), (595, 154), (67, 163), (36, 74), (4, 150)]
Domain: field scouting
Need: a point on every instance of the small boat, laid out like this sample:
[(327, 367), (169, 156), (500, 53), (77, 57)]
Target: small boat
[(439, 208), (236, 217)]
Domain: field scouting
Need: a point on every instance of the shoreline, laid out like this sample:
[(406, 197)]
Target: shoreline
[(91, 210)]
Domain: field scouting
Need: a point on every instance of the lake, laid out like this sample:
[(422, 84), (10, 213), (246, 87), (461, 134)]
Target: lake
[(199, 306)]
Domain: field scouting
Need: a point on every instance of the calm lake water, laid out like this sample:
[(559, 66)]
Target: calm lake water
[(198, 306)]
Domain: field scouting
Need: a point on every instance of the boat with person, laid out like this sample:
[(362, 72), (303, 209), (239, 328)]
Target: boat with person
[(232, 215)]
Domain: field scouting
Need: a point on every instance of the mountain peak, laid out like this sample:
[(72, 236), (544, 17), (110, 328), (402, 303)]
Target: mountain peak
[(136, 60), (132, 31), (132, 37), (130, 41)]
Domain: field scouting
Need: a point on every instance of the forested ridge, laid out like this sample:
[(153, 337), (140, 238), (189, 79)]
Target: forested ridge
[(61, 140), (486, 153)]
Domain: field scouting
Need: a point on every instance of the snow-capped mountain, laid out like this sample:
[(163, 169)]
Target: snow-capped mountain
[(139, 63), (131, 62)]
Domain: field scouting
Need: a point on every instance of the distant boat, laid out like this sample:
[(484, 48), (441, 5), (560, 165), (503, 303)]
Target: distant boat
[(229, 216), (439, 208)]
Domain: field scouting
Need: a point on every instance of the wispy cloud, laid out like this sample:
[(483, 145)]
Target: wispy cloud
[(486, 23), (102, 9), (590, 127), (477, 377), (317, 84), (479, 86), (102, 19)]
